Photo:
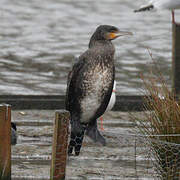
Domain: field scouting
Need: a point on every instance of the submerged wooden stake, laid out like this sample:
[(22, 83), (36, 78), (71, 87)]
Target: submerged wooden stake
[(60, 143), (5, 142), (176, 58)]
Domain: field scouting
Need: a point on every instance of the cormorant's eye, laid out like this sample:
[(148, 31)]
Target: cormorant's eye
[(113, 30)]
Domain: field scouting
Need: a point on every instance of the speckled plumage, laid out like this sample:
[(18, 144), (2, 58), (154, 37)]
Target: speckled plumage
[(89, 88)]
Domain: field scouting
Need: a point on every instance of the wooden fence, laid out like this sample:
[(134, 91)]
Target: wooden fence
[(59, 147)]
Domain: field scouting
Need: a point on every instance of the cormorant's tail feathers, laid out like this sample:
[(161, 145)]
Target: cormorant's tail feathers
[(77, 135), (145, 8), (75, 143)]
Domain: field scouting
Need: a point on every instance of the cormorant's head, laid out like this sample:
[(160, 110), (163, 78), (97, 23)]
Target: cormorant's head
[(107, 33)]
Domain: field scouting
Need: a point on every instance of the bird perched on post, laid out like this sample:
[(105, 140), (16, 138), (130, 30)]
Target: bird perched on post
[(89, 86), (161, 4)]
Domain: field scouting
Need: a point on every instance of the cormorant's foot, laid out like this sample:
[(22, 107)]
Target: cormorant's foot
[(100, 139), (95, 135)]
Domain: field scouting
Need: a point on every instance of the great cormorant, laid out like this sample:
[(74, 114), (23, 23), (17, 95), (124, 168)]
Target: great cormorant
[(90, 85)]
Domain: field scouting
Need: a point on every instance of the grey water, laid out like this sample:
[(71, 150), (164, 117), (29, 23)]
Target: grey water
[(39, 41)]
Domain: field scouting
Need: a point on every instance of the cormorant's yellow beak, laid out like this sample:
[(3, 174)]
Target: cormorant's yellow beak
[(114, 35)]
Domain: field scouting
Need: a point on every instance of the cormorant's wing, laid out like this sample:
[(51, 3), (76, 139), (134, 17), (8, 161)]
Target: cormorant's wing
[(72, 78), (77, 130), (73, 95)]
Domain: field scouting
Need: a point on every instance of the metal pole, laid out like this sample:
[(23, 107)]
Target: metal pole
[(176, 58), (5, 142), (60, 143)]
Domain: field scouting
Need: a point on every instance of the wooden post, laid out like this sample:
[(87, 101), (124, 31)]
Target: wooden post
[(176, 58), (60, 143), (5, 142)]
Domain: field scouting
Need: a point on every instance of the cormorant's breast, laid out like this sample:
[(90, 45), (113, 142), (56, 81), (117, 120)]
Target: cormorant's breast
[(96, 81)]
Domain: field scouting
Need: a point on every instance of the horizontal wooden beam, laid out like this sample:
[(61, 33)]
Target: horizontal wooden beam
[(53, 102)]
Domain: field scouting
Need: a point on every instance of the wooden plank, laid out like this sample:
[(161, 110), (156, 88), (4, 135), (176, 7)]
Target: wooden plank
[(60, 143), (52, 102), (176, 58), (5, 142)]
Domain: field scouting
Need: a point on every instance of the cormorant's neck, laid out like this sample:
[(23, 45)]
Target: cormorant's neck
[(97, 39), (95, 42)]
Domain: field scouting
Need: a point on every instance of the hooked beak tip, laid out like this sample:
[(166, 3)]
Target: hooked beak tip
[(123, 33)]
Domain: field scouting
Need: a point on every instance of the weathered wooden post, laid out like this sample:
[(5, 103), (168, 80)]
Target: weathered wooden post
[(5, 142), (60, 143), (176, 58)]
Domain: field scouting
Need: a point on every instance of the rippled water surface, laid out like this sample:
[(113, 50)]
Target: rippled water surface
[(40, 39)]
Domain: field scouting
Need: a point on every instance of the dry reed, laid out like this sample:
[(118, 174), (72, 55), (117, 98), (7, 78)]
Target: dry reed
[(162, 125)]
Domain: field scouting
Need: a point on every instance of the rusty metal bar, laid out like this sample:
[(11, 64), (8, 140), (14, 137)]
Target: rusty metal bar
[(60, 143), (176, 58), (5, 142)]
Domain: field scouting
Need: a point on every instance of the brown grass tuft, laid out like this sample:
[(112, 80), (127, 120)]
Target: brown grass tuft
[(162, 125)]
